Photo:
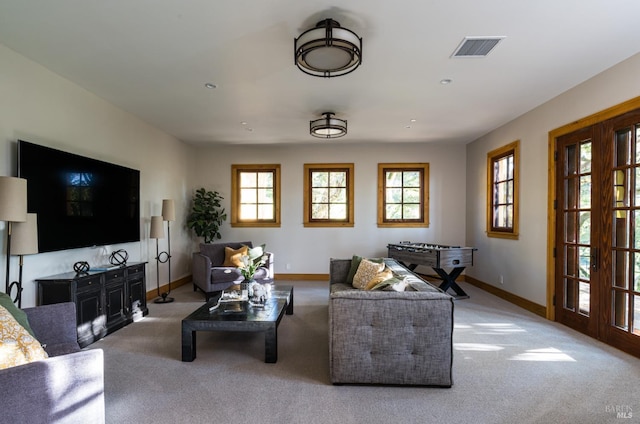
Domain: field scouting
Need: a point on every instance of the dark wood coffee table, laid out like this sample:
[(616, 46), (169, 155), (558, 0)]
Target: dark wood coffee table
[(239, 316)]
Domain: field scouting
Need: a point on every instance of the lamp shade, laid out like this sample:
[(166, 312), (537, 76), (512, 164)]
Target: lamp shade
[(157, 228), (13, 199), (24, 237), (168, 210)]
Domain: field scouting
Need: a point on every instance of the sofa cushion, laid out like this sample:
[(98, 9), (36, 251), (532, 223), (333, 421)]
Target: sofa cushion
[(18, 314), (17, 346), (215, 251), (355, 263), (367, 270), (233, 257)]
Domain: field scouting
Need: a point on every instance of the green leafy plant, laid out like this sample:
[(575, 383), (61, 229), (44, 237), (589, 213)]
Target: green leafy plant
[(254, 259), (207, 215)]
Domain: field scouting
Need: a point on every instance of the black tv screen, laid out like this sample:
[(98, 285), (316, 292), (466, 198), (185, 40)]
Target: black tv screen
[(80, 202)]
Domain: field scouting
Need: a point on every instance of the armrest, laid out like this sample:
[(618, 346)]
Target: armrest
[(269, 263), (339, 270), (201, 270), (54, 324), (38, 393)]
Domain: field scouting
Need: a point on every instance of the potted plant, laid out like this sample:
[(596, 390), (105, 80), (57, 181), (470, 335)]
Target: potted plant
[(253, 260), (207, 215)]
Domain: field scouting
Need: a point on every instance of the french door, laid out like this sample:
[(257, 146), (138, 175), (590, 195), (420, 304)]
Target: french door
[(597, 287)]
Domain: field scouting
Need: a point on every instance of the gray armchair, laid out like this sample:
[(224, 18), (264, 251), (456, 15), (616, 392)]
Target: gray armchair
[(210, 276)]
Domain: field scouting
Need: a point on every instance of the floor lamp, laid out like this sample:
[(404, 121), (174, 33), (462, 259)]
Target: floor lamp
[(157, 232), (13, 208), (168, 214), (24, 242)]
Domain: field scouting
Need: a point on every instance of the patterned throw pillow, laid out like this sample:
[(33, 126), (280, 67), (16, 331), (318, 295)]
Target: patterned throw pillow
[(367, 270), (355, 263), (233, 257), (379, 278), (18, 314), (17, 346)]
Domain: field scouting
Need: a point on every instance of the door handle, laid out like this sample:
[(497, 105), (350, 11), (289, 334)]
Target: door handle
[(595, 258)]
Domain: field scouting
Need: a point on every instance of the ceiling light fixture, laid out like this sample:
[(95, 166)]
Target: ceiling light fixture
[(328, 127), (210, 86), (328, 50)]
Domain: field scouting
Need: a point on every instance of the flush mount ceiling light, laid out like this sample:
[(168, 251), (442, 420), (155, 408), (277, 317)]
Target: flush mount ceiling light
[(328, 50), (328, 127)]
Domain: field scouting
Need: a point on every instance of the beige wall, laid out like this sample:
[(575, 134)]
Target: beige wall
[(39, 106), (522, 262), (307, 250)]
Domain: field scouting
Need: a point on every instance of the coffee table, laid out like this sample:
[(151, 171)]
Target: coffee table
[(239, 316)]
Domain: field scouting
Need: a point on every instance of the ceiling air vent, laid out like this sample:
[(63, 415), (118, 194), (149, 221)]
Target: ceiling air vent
[(476, 46)]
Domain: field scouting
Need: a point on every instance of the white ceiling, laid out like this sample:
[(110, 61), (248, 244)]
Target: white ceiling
[(153, 58)]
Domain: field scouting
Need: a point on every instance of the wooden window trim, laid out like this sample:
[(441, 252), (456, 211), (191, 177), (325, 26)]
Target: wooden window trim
[(382, 168), (308, 169), (235, 195), (492, 156)]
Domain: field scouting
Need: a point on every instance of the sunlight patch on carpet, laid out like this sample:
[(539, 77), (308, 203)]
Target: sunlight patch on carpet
[(499, 328), (549, 354), (478, 347)]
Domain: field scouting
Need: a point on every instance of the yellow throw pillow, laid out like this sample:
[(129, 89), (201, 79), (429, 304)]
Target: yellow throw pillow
[(366, 271), (17, 346), (233, 257), (379, 278)]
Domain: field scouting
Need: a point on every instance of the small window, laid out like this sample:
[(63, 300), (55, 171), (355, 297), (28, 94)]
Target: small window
[(328, 195), (255, 195), (403, 195), (502, 191)]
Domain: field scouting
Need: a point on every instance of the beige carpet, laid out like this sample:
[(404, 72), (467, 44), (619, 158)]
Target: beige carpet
[(510, 366)]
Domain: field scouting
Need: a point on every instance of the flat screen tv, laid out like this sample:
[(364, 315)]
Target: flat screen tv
[(80, 202)]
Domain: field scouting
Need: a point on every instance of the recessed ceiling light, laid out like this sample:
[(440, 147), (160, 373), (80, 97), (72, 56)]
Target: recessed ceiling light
[(446, 81), (210, 85), (412, 120), (243, 123)]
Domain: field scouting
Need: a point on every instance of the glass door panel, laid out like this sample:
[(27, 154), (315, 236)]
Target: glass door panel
[(578, 230), (625, 283), (620, 300)]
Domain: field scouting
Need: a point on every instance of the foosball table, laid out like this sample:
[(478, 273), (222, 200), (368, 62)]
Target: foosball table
[(438, 257)]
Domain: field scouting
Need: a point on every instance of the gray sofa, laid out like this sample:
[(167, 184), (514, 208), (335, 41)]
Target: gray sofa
[(210, 276), (68, 387), (389, 337)]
